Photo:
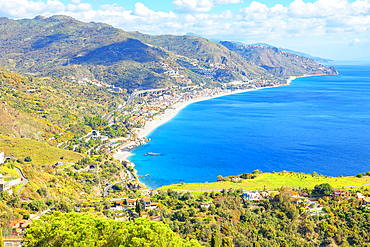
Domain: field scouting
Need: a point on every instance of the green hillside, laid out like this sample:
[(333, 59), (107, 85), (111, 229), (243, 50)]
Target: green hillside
[(60, 46), (271, 181), (43, 107), (203, 51)]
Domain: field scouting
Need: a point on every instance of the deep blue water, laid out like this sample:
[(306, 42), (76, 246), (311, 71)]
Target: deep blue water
[(317, 124)]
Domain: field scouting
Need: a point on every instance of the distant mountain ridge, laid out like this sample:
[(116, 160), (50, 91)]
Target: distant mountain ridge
[(302, 54), (278, 62), (63, 47)]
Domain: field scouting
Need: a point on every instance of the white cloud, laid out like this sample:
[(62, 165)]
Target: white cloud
[(82, 7), (198, 6), (111, 7), (142, 10), (254, 22), (192, 6), (25, 8), (355, 42)]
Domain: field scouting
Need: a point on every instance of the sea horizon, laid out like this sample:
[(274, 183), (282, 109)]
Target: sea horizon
[(296, 128)]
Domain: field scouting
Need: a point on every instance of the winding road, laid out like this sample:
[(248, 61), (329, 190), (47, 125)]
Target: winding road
[(24, 180), (130, 177)]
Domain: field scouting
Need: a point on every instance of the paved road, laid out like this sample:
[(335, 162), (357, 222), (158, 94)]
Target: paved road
[(346, 187), (130, 99), (25, 181), (45, 211), (130, 177)]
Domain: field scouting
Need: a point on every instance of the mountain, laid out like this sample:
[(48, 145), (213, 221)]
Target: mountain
[(204, 51), (279, 63), (302, 54), (63, 47)]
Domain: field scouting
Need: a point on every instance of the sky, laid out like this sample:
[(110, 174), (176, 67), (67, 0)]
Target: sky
[(334, 29)]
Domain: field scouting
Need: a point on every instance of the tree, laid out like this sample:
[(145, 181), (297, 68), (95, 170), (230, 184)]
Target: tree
[(257, 171), (42, 191), (85, 229), (28, 159), (138, 207), (63, 206), (4, 196), (323, 190), (215, 240), (37, 205), (227, 242)]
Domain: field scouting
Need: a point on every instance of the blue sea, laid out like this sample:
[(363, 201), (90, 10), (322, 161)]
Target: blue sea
[(319, 123)]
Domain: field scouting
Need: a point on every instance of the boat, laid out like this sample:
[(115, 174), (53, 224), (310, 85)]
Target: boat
[(150, 153)]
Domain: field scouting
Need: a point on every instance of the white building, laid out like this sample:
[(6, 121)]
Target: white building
[(251, 196), (5, 185)]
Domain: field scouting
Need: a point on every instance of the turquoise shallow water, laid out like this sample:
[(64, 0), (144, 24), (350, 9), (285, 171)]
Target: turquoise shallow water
[(316, 124)]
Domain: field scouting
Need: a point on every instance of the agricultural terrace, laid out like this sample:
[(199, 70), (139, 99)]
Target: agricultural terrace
[(40, 152)]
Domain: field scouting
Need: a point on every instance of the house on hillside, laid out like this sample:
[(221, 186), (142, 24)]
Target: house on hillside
[(205, 204), (251, 196), (341, 193), (135, 185), (131, 202), (119, 205), (147, 204), (293, 194), (7, 185), (360, 196)]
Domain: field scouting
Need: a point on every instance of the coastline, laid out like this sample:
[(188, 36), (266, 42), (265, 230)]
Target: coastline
[(125, 151)]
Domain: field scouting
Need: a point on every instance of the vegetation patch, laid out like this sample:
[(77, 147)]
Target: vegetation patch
[(39, 152), (273, 181)]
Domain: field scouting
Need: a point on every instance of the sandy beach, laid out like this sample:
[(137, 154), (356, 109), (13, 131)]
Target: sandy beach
[(125, 152), (150, 126)]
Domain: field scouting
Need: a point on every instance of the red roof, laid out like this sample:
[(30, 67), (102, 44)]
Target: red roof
[(146, 199)]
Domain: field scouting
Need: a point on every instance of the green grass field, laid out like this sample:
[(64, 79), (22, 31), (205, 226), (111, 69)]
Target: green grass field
[(273, 181), (40, 152)]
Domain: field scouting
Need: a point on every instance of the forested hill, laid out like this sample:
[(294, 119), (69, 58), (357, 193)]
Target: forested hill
[(63, 47), (278, 62), (202, 50)]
